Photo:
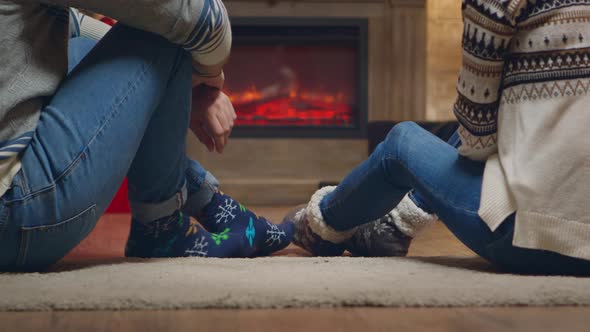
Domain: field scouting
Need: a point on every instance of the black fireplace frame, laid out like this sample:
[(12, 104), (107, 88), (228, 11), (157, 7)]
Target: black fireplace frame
[(359, 129)]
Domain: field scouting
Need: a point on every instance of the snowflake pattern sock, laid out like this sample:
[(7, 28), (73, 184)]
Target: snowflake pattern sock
[(259, 234), (180, 236)]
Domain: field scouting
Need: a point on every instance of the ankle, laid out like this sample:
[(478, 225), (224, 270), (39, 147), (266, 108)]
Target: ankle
[(147, 212), (198, 200), (317, 222), (410, 219)]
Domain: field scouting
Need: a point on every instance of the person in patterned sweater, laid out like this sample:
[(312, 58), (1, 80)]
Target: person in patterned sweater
[(513, 182)]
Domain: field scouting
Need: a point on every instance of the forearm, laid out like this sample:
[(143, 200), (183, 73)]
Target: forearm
[(488, 30), (200, 26), (477, 112)]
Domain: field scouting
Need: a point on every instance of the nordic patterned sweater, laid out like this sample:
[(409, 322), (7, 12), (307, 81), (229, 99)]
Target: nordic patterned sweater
[(33, 53), (524, 108)]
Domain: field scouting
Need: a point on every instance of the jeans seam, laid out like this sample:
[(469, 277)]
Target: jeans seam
[(62, 222), (52, 232), (29, 196), (20, 181)]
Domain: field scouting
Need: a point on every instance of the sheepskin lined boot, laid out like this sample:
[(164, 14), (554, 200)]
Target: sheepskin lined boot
[(389, 235)]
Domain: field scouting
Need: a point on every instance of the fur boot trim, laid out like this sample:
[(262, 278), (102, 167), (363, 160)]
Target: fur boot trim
[(317, 223), (410, 219)]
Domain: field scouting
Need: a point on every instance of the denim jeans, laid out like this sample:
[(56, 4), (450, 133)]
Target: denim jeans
[(443, 182), (123, 110)]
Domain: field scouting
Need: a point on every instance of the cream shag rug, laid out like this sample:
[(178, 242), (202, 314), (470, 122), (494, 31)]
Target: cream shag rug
[(280, 282)]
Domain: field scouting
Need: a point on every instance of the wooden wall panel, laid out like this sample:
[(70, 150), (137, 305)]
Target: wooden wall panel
[(443, 59)]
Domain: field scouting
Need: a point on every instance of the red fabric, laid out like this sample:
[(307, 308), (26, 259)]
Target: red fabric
[(120, 204), (108, 20)]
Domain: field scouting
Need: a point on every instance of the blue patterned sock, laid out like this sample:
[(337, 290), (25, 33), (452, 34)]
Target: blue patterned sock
[(180, 236), (262, 236)]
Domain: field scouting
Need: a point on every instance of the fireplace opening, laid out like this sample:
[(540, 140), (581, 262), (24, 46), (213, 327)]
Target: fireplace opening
[(297, 77)]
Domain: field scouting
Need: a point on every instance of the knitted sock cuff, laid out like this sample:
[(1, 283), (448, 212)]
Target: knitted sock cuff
[(317, 223), (410, 219)]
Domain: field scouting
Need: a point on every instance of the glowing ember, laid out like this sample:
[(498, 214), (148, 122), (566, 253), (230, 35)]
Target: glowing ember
[(292, 107)]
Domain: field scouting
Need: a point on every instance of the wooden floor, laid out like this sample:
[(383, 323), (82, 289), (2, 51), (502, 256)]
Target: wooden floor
[(108, 239)]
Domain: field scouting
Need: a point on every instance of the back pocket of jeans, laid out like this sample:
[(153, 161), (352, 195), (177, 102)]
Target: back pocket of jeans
[(42, 246)]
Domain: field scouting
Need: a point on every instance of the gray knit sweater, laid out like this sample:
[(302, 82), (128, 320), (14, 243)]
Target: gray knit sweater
[(33, 54)]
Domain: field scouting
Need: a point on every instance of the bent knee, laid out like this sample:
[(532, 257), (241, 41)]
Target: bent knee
[(402, 130), (398, 137)]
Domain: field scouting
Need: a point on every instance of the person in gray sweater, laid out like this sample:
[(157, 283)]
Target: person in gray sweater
[(77, 116)]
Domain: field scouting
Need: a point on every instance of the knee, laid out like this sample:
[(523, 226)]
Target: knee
[(397, 138), (401, 131)]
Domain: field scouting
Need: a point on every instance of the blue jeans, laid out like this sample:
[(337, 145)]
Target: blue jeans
[(123, 110), (443, 182)]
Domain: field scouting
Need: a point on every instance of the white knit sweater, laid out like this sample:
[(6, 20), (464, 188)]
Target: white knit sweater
[(524, 107)]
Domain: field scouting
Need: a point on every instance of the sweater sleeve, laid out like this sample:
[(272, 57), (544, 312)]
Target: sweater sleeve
[(488, 28), (200, 26), (86, 26)]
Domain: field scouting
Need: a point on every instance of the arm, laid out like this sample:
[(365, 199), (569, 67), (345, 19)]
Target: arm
[(200, 26), (488, 29)]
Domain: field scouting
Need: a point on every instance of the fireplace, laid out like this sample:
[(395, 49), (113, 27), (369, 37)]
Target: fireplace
[(298, 77), (304, 77)]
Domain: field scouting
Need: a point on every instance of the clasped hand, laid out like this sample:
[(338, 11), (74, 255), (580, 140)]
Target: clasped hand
[(212, 114)]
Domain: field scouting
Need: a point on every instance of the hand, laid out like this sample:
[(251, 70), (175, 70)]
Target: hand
[(212, 117)]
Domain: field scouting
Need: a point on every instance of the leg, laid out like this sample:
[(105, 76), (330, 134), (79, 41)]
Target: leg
[(78, 48), (530, 261), (160, 179), (154, 175), (219, 212), (409, 158), (455, 142), (391, 234), (163, 180), (446, 183), (154, 182), (157, 189), (86, 140)]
